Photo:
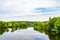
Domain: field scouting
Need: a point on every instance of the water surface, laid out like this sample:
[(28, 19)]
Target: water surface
[(23, 34)]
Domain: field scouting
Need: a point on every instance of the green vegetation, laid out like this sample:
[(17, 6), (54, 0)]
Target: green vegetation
[(53, 25), (14, 25)]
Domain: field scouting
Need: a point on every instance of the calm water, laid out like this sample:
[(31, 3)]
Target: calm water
[(24, 34)]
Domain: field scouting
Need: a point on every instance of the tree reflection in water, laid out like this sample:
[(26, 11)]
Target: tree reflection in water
[(51, 35)]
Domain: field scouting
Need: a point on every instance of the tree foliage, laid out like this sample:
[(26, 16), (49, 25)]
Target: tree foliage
[(52, 25)]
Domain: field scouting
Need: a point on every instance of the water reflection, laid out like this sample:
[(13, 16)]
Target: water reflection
[(4, 29), (51, 35), (26, 33)]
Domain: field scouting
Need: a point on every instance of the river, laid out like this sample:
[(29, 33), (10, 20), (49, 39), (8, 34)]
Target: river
[(24, 34)]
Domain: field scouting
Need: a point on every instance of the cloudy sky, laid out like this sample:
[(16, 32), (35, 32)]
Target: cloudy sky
[(29, 10)]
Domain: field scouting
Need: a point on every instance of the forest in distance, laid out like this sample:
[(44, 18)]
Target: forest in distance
[(52, 25)]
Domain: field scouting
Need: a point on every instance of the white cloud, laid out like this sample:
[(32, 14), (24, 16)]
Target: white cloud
[(26, 4), (23, 8)]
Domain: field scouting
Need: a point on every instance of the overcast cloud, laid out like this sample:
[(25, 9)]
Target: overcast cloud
[(28, 10)]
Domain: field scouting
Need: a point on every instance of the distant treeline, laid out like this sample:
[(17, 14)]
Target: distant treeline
[(14, 25), (53, 24)]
